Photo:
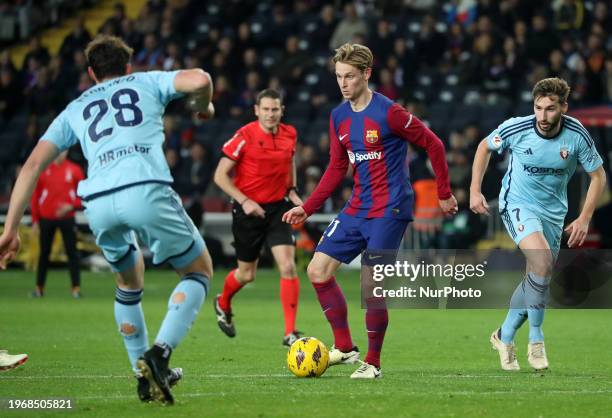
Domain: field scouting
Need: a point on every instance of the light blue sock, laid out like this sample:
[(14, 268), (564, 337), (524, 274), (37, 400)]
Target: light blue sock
[(536, 297), (131, 323), (517, 314), (183, 306)]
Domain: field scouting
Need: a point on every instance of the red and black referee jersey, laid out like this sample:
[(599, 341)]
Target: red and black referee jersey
[(263, 161)]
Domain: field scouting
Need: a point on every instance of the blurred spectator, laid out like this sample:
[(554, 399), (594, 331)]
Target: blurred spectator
[(5, 61), (37, 51), (381, 42), (541, 39), (348, 27), (41, 99), (130, 35), (281, 26), (195, 172), (325, 26), (150, 57), (293, 63), (223, 97), (244, 39), (76, 40), (247, 95), (192, 180), (172, 57), (387, 85), (60, 83), (171, 130), (428, 43), (148, 21), (11, 94), (31, 135), (173, 159), (607, 79), (113, 23)]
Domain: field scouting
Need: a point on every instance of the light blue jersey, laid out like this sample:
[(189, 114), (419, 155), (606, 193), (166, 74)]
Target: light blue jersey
[(119, 125), (541, 167)]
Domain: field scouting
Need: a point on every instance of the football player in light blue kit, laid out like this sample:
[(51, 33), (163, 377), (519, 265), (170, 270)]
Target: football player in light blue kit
[(544, 151), (127, 193)]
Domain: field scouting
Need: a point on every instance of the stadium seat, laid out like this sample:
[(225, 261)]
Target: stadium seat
[(10, 146), (440, 111), (299, 110), (324, 110), (299, 123)]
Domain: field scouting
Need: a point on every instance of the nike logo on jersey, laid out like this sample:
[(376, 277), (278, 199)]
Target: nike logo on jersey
[(342, 137)]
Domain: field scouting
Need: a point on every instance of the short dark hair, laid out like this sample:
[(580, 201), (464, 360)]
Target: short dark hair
[(270, 93), (552, 87), (108, 56)]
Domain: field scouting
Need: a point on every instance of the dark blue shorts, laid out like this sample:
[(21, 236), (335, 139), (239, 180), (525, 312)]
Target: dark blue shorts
[(347, 236)]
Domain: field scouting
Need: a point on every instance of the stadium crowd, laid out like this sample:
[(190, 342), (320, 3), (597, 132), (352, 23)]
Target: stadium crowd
[(462, 66)]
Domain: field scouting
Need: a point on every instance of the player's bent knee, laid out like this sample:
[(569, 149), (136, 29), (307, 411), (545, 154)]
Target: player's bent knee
[(287, 269), (540, 263), (316, 273)]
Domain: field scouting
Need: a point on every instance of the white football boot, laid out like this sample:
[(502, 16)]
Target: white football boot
[(339, 357), (507, 352), (10, 361), (367, 371), (536, 354)]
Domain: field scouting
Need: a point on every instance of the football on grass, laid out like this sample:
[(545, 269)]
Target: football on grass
[(308, 357)]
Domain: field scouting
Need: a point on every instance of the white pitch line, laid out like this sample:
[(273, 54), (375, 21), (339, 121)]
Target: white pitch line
[(327, 393), (287, 375), (213, 376)]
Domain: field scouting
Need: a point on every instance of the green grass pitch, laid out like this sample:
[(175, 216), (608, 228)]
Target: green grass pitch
[(435, 363)]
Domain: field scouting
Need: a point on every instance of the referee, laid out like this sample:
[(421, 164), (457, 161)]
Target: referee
[(261, 153)]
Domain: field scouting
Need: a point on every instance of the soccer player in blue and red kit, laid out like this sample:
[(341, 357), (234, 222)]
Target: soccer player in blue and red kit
[(371, 133)]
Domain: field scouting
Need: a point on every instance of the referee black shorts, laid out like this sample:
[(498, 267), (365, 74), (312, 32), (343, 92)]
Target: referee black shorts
[(250, 232)]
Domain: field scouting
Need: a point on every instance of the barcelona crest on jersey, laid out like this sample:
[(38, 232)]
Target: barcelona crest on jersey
[(372, 136)]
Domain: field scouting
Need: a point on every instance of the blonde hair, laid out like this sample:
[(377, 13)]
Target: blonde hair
[(359, 56), (552, 87)]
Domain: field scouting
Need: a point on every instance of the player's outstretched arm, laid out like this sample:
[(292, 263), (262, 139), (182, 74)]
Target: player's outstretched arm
[(198, 84), (41, 157), (478, 203), (580, 227), (295, 215)]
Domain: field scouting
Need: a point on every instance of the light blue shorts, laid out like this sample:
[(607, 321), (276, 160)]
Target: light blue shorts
[(155, 214), (521, 221)]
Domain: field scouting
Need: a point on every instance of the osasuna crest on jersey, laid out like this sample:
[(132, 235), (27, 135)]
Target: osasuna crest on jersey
[(564, 152)]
